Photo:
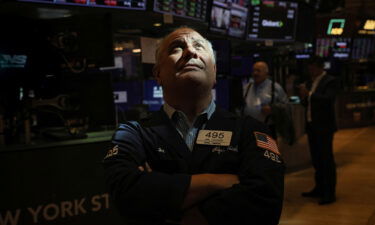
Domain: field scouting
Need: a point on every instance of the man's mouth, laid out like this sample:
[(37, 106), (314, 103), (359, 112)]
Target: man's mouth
[(191, 66)]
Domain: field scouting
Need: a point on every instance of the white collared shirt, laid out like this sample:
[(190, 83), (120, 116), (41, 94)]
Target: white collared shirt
[(312, 91), (180, 121), (260, 95)]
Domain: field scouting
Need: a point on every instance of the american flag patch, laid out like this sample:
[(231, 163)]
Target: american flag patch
[(266, 142)]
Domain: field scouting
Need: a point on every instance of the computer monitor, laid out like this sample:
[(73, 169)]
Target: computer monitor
[(305, 52), (117, 4), (220, 17), (152, 95), (338, 48), (195, 10), (229, 18), (127, 94), (272, 20), (363, 47)]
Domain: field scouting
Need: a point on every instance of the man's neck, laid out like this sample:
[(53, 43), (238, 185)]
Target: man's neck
[(192, 107), (259, 83)]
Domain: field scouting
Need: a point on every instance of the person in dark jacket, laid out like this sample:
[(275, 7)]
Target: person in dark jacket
[(192, 162), (319, 99)]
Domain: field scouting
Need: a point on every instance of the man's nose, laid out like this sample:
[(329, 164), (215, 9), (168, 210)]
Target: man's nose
[(190, 52)]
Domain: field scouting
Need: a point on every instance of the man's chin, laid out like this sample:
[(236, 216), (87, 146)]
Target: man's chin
[(193, 75), (193, 80)]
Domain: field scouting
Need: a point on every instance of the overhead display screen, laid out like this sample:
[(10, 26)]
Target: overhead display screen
[(304, 53), (272, 20), (152, 95), (192, 9), (367, 27), (229, 18), (124, 4), (333, 47), (363, 48)]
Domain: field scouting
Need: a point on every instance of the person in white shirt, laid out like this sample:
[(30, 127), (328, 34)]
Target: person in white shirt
[(258, 95)]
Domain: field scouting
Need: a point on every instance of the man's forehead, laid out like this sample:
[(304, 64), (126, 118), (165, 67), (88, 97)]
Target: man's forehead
[(184, 34), (260, 65)]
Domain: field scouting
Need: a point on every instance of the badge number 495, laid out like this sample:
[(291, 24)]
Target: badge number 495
[(215, 134)]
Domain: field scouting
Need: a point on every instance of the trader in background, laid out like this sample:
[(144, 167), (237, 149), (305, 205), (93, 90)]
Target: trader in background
[(318, 97), (193, 162), (260, 94)]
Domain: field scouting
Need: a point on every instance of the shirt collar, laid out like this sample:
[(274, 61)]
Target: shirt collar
[(262, 84), (169, 110), (316, 82), (318, 78)]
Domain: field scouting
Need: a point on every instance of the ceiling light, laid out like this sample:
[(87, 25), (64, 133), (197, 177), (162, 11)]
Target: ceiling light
[(136, 50)]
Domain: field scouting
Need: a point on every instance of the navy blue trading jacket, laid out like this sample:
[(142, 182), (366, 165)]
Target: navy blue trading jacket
[(154, 197)]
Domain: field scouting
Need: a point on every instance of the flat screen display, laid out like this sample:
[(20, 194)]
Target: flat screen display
[(341, 48), (124, 4), (304, 53), (367, 27), (196, 9), (272, 20), (12, 60), (152, 95), (127, 94), (229, 18), (333, 47), (363, 48)]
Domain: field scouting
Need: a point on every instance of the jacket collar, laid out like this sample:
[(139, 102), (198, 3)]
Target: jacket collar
[(162, 126)]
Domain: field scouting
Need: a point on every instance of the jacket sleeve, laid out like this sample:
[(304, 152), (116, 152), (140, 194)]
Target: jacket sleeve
[(150, 196), (258, 198), (329, 92)]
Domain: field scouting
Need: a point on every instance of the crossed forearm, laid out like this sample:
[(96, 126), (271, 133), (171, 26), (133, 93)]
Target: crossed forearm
[(201, 187), (204, 185)]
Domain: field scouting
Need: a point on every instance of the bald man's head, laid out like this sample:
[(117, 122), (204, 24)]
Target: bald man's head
[(260, 72)]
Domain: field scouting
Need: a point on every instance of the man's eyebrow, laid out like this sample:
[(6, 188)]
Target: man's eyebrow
[(178, 41), (199, 40), (175, 42)]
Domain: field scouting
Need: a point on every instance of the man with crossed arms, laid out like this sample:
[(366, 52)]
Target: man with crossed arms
[(193, 162)]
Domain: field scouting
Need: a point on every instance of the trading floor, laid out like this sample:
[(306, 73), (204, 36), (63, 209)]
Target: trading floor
[(355, 205)]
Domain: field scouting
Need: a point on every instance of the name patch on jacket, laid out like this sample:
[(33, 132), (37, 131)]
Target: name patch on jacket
[(214, 137), (112, 152), (266, 142)]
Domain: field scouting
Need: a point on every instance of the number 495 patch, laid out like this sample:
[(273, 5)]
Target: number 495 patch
[(270, 155)]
